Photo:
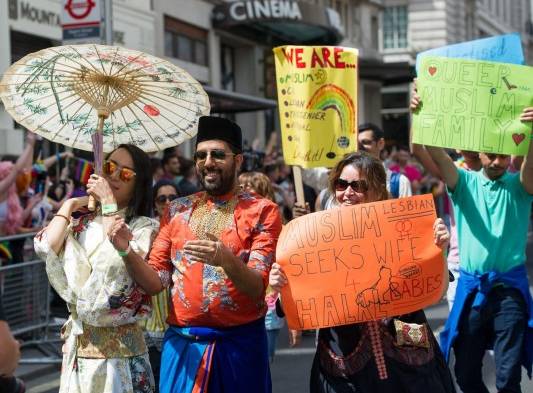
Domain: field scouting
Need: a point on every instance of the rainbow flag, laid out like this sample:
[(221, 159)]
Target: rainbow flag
[(83, 170)]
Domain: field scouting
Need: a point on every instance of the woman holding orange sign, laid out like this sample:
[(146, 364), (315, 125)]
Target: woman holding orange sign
[(390, 355)]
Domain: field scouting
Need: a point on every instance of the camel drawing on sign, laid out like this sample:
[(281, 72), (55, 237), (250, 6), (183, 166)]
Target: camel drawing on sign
[(373, 294)]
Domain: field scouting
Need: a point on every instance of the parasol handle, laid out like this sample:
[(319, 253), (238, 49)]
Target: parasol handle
[(92, 203), (98, 154)]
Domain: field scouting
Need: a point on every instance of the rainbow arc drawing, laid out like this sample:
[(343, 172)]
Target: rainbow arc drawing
[(332, 97)]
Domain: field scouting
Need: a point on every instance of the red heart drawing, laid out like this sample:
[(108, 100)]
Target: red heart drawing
[(518, 138), (432, 70)]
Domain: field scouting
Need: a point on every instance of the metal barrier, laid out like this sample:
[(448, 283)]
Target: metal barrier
[(26, 296)]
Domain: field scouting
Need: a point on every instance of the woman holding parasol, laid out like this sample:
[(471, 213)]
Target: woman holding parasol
[(104, 347), (103, 98)]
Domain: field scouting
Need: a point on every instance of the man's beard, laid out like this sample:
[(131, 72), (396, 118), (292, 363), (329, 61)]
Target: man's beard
[(494, 173), (224, 182)]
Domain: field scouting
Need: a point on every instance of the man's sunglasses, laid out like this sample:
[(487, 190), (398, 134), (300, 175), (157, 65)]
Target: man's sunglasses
[(165, 198), (125, 174), (218, 155), (360, 186)]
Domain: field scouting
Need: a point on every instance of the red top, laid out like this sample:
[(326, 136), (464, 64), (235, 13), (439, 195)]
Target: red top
[(410, 171), (201, 294)]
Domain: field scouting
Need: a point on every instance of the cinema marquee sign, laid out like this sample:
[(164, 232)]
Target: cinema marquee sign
[(247, 13), (249, 10)]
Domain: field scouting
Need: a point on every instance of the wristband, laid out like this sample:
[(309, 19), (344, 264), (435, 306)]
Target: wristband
[(125, 252), (109, 209)]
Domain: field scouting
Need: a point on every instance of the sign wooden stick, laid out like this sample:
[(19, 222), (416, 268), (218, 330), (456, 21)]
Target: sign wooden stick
[(298, 184)]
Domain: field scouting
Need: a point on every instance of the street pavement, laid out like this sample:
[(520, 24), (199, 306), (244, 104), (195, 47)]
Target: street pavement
[(291, 366)]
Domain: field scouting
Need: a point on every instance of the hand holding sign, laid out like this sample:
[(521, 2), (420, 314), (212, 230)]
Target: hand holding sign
[(527, 114), (361, 263)]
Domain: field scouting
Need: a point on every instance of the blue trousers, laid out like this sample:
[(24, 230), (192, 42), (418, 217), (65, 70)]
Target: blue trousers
[(272, 336), (499, 324)]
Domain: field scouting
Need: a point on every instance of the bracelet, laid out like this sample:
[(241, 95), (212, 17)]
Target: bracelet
[(62, 216), (109, 209), (125, 252)]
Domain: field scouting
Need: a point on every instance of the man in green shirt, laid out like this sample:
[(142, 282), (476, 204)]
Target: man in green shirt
[(493, 305)]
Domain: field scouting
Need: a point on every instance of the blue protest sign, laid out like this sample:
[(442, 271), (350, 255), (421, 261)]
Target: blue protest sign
[(502, 48)]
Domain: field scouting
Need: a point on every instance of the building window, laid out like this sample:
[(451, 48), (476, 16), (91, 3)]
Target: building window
[(227, 67), (185, 42), (395, 27)]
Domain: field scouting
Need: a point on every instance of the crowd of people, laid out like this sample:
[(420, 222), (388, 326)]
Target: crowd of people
[(172, 285)]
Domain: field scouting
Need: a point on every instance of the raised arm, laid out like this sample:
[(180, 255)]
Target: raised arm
[(21, 163), (445, 164), (49, 161), (422, 155), (434, 159), (526, 172)]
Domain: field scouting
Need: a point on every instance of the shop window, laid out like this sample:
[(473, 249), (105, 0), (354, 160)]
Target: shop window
[(395, 27), (185, 42)]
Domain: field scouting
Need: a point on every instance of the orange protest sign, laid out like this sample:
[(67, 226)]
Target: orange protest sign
[(360, 263)]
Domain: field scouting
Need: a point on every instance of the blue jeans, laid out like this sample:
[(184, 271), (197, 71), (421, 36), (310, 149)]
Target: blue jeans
[(501, 323)]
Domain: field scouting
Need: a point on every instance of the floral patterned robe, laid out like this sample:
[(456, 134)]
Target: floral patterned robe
[(92, 278)]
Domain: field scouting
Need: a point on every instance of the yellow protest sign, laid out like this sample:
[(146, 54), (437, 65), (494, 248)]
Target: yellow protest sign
[(360, 263), (317, 100)]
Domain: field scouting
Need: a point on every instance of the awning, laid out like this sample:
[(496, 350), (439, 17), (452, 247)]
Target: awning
[(388, 73), (277, 22), (223, 101)]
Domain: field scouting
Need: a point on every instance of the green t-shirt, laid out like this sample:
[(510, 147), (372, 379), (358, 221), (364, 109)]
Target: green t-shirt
[(492, 221)]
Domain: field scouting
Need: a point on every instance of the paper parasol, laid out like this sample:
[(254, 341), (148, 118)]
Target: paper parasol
[(95, 97)]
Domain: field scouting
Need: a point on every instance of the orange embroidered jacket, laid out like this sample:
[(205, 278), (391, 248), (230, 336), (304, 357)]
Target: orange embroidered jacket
[(201, 294)]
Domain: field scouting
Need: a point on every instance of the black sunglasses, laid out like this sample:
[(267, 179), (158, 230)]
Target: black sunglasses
[(164, 198), (216, 154), (356, 185)]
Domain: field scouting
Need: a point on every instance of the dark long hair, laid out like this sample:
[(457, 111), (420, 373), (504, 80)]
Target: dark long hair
[(370, 167), (140, 203)]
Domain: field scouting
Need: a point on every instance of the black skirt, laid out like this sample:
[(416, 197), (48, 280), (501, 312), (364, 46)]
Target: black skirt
[(345, 362)]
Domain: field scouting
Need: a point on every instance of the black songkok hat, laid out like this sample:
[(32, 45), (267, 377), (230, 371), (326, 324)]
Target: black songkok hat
[(212, 127)]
